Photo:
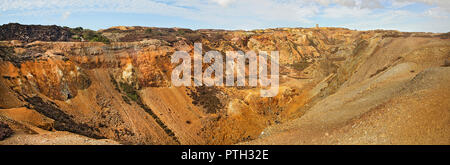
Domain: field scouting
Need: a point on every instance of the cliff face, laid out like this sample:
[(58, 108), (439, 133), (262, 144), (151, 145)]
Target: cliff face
[(330, 78), (29, 33)]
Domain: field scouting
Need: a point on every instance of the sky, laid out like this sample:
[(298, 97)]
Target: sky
[(403, 15)]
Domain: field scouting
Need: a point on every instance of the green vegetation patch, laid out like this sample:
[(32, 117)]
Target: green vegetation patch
[(88, 35), (132, 95), (130, 91)]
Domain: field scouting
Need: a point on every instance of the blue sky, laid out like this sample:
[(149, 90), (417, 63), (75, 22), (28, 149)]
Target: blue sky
[(403, 15)]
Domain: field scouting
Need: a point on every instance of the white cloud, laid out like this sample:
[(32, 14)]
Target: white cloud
[(445, 4), (385, 20), (371, 4), (400, 4), (223, 3), (345, 12), (347, 3), (65, 15), (437, 12), (247, 14)]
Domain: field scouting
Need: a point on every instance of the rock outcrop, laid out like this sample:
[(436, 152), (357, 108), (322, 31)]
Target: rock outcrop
[(335, 84), (5, 131), (29, 33)]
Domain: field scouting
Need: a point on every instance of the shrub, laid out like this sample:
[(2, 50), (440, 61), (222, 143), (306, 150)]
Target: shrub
[(94, 36), (129, 91), (88, 35), (148, 31)]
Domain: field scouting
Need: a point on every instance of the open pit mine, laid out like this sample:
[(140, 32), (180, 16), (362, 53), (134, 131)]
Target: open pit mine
[(61, 85)]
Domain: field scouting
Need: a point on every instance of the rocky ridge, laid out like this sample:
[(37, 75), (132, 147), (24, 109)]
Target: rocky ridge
[(330, 78)]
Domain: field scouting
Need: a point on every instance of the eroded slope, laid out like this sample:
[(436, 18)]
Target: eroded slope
[(337, 86)]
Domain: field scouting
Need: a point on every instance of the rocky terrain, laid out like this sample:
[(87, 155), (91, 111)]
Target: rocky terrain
[(61, 85)]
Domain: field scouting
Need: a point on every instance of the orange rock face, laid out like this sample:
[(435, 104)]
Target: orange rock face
[(331, 81)]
